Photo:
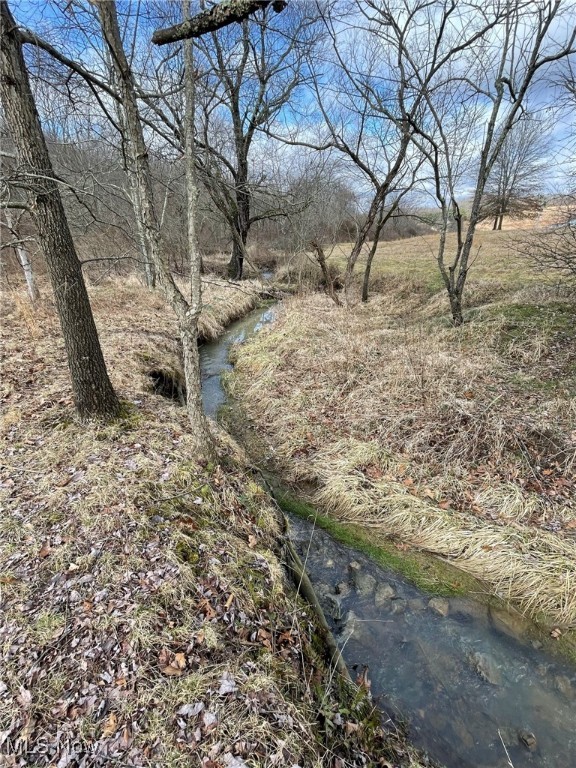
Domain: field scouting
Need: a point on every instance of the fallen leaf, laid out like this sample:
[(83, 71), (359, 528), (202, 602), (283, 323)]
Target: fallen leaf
[(227, 684), (191, 710), (45, 551), (24, 698), (110, 727), (126, 739), (209, 719), (171, 665)]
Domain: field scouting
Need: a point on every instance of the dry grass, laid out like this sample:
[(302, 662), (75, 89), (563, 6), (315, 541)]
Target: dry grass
[(146, 618), (497, 267), (459, 441)]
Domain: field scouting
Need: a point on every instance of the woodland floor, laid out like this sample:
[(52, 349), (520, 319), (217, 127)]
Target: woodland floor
[(459, 441), (146, 615)]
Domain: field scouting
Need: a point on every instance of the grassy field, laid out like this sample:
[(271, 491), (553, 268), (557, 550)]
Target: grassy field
[(497, 266), (146, 616), (461, 442)]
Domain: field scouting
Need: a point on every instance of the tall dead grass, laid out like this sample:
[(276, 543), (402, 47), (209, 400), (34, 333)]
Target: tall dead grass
[(458, 441)]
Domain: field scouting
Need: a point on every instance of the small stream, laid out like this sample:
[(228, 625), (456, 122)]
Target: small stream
[(472, 692)]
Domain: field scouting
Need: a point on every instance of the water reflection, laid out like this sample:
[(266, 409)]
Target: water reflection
[(214, 356)]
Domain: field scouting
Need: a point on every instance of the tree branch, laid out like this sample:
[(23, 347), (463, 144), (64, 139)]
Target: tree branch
[(215, 18)]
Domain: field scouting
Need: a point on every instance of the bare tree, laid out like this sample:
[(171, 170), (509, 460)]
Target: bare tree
[(247, 74), (554, 249), (20, 245), (449, 62), (93, 393), (187, 312), (362, 113), (516, 182)]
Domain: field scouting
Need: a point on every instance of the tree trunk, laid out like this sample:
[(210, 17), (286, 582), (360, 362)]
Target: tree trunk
[(189, 332), (382, 219), (187, 315), (500, 220), (93, 393), (236, 263), (366, 281), (23, 257), (328, 282), (243, 204), (456, 307)]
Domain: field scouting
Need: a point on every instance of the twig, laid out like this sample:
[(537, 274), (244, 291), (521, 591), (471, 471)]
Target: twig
[(510, 763)]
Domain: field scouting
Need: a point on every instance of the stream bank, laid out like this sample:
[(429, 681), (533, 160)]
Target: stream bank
[(146, 616), (473, 692)]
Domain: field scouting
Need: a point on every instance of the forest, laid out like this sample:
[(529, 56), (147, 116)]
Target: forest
[(288, 472)]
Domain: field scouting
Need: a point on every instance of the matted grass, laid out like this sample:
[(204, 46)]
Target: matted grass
[(458, 441), (146, 617)]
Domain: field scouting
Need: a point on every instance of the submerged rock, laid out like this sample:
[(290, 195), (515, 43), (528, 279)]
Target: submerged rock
[(528, 740), (342, 589), (331, 603), (487, 668), (398, 606), (384, 593), (365, 583), (416, 604), (439, 605), (333, 606), (563, 684), (466, 609), (509, 622)]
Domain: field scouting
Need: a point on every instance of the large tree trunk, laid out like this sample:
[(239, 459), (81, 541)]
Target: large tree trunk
[(236, 263), (243, 205), (93, 393)]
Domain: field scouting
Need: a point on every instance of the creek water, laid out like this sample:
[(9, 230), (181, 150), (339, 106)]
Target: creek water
[(214, 356), (470, 689)]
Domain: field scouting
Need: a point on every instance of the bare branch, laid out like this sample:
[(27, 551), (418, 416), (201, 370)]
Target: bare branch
[(215, 18)]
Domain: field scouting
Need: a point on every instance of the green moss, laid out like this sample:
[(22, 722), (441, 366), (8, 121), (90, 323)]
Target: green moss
[(425, 572), (522, 320), (186, 553)]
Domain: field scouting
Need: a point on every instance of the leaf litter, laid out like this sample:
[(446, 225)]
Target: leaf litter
[(146, 616)]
